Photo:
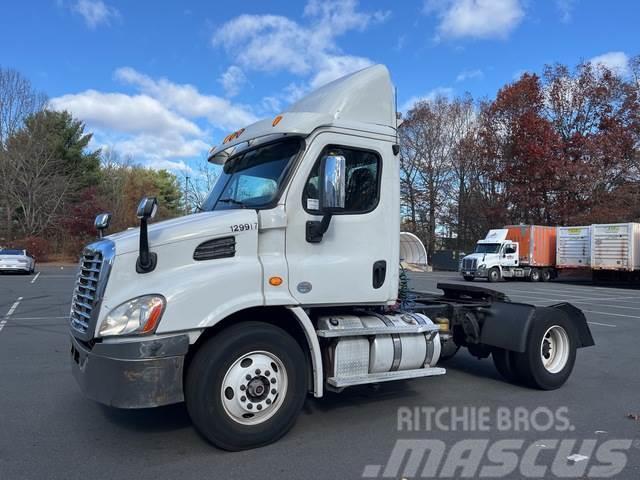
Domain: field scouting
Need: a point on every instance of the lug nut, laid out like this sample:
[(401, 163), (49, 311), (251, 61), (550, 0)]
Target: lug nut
[(243, 399), (243, 388), (259, 407), (257, 371), (250, 406), (268, 401), (248, 377), (273, 391), (273, 380), (267, 373)]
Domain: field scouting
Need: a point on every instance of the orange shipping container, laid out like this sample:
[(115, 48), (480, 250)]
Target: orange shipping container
[(537, 245)]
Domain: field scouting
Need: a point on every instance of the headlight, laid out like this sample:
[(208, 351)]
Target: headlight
[(137, 316)]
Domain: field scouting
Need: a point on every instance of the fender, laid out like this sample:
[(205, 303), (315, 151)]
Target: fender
[(314, 349), (507, 325)]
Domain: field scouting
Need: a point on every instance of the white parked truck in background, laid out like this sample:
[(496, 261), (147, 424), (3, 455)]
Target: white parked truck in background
[(287, 283), (515, 251)]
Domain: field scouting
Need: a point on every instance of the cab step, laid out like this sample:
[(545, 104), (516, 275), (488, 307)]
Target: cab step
[(339, 382)]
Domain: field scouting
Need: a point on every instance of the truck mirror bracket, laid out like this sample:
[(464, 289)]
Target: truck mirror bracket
[(315, 230)]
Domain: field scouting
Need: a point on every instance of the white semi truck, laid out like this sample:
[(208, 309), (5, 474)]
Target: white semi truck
[(513, 252), (287, 283)]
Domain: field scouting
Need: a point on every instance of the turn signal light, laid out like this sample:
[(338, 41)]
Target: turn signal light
[(275, 281)]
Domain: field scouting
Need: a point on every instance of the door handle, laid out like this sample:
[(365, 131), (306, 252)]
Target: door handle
[(379, 273)]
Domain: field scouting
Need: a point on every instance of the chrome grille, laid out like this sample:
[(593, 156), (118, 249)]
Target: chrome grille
[(469, 263), (92, 277)]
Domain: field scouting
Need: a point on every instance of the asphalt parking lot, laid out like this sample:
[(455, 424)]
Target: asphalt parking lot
[(49, 431)]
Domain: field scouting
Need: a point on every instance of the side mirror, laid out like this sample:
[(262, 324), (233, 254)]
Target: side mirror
[(147, 208), (102, 222), (333, 183)]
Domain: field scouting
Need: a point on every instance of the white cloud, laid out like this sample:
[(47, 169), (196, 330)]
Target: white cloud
[(428, 97), (124, 113), (565, 7), (187, 100), (161, 126), (470, 75), (232, 80), (617, 62), (95, 12), (475, 18), (273, 43)]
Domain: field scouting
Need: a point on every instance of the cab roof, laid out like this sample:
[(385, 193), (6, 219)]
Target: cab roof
[(363, 99)]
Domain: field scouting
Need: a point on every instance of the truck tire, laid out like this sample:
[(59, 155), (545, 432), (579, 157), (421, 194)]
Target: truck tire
[(551, 352), (494, 275), (246, 386), (504, 362), (468, 278), (545, 276), (534, 276)]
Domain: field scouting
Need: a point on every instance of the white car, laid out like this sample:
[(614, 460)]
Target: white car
[(16, 260)]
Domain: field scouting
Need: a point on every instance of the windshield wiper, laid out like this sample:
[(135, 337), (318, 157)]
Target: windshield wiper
[(232, 201)]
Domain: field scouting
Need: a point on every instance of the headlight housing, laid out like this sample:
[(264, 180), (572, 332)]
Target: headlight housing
[(137, 316)]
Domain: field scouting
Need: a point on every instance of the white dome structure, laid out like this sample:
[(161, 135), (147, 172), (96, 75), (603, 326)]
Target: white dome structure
[(412, 251)]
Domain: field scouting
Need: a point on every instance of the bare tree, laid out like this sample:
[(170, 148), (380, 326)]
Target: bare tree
[(18, 100), (198, 183), (37, 189)]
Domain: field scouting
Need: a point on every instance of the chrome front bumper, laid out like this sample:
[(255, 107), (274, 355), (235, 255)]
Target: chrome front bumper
[(136, 374)]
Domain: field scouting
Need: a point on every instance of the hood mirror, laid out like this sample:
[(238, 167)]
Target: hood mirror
[(102, 223), (146, 260)]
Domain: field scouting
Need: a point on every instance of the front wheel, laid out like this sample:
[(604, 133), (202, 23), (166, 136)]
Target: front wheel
[(494, 275), (245, 386)]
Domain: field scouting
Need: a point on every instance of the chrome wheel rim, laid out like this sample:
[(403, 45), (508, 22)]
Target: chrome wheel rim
[(554, 349), (254, 388)]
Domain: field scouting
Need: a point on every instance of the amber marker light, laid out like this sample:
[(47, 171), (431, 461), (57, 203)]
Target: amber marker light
[(275, 281), (276, 120)]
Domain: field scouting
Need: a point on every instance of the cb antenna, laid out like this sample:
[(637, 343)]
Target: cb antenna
[(396, 147)]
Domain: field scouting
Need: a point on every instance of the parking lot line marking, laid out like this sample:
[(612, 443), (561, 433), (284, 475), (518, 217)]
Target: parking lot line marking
[(13, 307), (2, 324), (602, 324), (606, 305), (36, 277), (38, 318), (612, 314)]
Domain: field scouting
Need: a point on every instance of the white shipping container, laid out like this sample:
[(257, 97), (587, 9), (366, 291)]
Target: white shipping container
[(573, 247), (615, 246)]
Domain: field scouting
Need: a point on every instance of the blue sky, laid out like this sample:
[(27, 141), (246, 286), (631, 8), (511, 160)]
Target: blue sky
[(163, 81)]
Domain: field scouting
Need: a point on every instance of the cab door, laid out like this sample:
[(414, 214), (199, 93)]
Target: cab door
[(356, 259), (509, 255)]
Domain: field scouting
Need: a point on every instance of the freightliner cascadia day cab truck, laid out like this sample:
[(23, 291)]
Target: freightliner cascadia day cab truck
[(287, 283), (515, 251)]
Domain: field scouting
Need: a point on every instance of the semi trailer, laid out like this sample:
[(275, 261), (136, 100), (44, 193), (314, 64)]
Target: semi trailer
[(286, 284), (513, 252), (573, 247)]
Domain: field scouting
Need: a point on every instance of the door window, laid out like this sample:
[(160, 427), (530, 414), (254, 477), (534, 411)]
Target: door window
[(363, 181)]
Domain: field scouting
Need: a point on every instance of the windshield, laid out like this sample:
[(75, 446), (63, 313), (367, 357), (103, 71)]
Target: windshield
[(11, 252), (487, 248), (253, 179)]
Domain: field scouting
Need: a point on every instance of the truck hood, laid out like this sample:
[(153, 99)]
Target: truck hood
[(481, 256), (204, 224)]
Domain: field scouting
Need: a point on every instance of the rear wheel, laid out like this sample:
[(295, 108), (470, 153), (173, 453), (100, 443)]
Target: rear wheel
[(504, 362), (545, 276), (246, 386), (551, 351), (494, 274), (469, 278)]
